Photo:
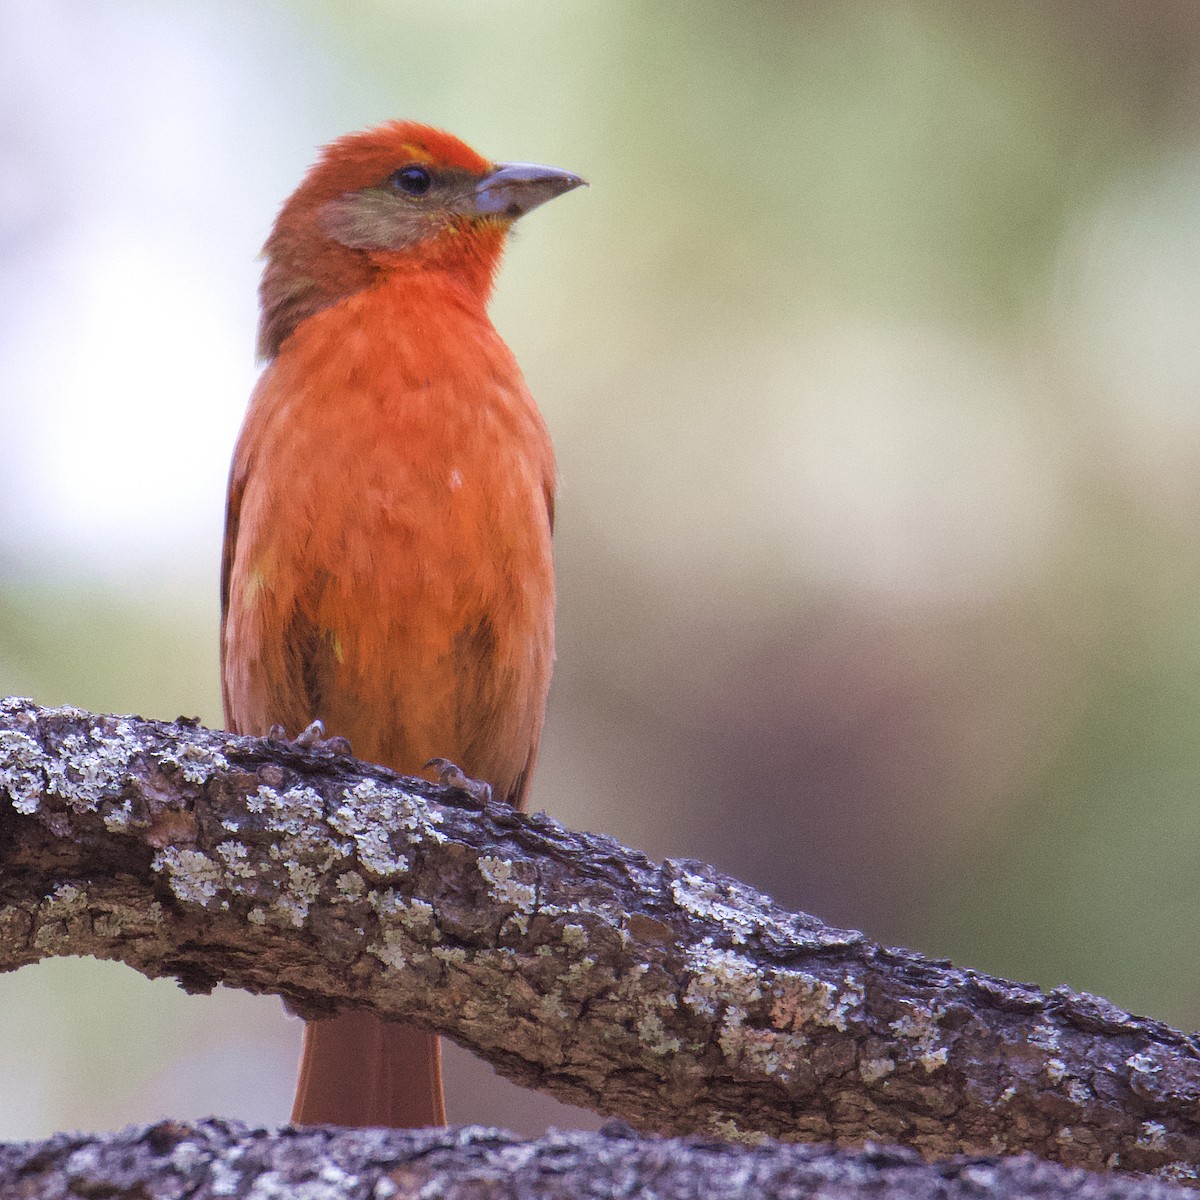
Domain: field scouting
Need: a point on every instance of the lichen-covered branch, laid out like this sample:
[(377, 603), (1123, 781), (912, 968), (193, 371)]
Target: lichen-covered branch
[(666, 993), (222, 1159)]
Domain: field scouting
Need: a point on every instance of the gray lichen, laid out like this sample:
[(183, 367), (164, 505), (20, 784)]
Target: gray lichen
[(217, 1158), (664, 992)]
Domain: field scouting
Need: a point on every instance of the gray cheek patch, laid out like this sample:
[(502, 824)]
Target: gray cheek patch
[(376, 219)]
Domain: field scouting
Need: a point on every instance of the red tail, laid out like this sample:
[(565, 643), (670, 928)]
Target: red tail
[(360, 1070)]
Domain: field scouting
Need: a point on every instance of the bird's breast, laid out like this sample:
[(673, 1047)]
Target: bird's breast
[(395, 524)]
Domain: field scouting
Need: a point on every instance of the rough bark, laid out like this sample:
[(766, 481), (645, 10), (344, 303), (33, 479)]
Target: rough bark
[(665, 994), (220, 1159)]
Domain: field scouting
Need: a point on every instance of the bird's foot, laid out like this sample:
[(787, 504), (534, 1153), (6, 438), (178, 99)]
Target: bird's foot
[(312, 737), (452, 775)]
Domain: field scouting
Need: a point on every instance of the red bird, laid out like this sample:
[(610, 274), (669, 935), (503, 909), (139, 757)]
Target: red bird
[(387, 565)]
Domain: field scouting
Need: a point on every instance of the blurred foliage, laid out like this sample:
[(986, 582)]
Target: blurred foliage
[(870, 361), (81, 644)]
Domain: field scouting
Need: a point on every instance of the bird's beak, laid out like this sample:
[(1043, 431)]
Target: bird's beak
[(513, 189)]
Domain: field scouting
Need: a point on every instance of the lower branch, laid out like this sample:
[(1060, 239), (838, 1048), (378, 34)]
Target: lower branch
[(218, 1158), (665, 994)]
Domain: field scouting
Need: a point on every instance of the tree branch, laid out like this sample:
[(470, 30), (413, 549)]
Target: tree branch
[(666, 994), (218, 1158)]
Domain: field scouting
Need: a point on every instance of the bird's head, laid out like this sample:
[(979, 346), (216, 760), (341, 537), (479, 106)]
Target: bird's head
[(400, 197)]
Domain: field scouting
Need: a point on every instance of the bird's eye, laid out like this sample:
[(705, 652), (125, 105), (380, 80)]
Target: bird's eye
[(414, 180)]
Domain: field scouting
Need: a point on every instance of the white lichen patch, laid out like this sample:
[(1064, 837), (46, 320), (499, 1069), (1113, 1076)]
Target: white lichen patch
[(405, 925), (763, 1052), (302, 879), (1055, 1070), (551, 1008), (298, 817), (87, 771), (1044, 1035), (223, 1180), (851, 998), (12, 918), (574, 937), (725, 984), (118, 817), (343, 1181), (236, 857), (388, 903), (516, 925), (22, 770), (933, 1058), (609, 915), (1178, 1172), (351, 885), (303, 850), (303, 888), (728, 1130), (799, 998), (648, 997), (293, 910), (391, 949), (652, 1033), (504, 887), (921, 1026), (295, 809), (374, 851), (578, 971), (369, 802), (186, 1156), (1078, 1091), (369, 814), (65, 898), (702, 898), (420, 918), (1143, 1063), (872, 1070), (50, 936), (1152, 1135), (196, 764), (192, 876), (720, 978), (211, 880), (66, 903)]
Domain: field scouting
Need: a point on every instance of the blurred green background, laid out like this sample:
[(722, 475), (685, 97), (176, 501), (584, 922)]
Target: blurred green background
[(871, 358)]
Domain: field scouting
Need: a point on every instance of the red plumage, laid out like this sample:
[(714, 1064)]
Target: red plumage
[(387, 562)]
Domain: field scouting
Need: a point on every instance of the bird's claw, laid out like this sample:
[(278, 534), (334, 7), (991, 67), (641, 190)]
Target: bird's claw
[(451, 775), (312, 737)]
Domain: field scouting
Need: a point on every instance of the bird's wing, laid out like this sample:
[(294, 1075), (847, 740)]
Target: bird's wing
[(238, 474)]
